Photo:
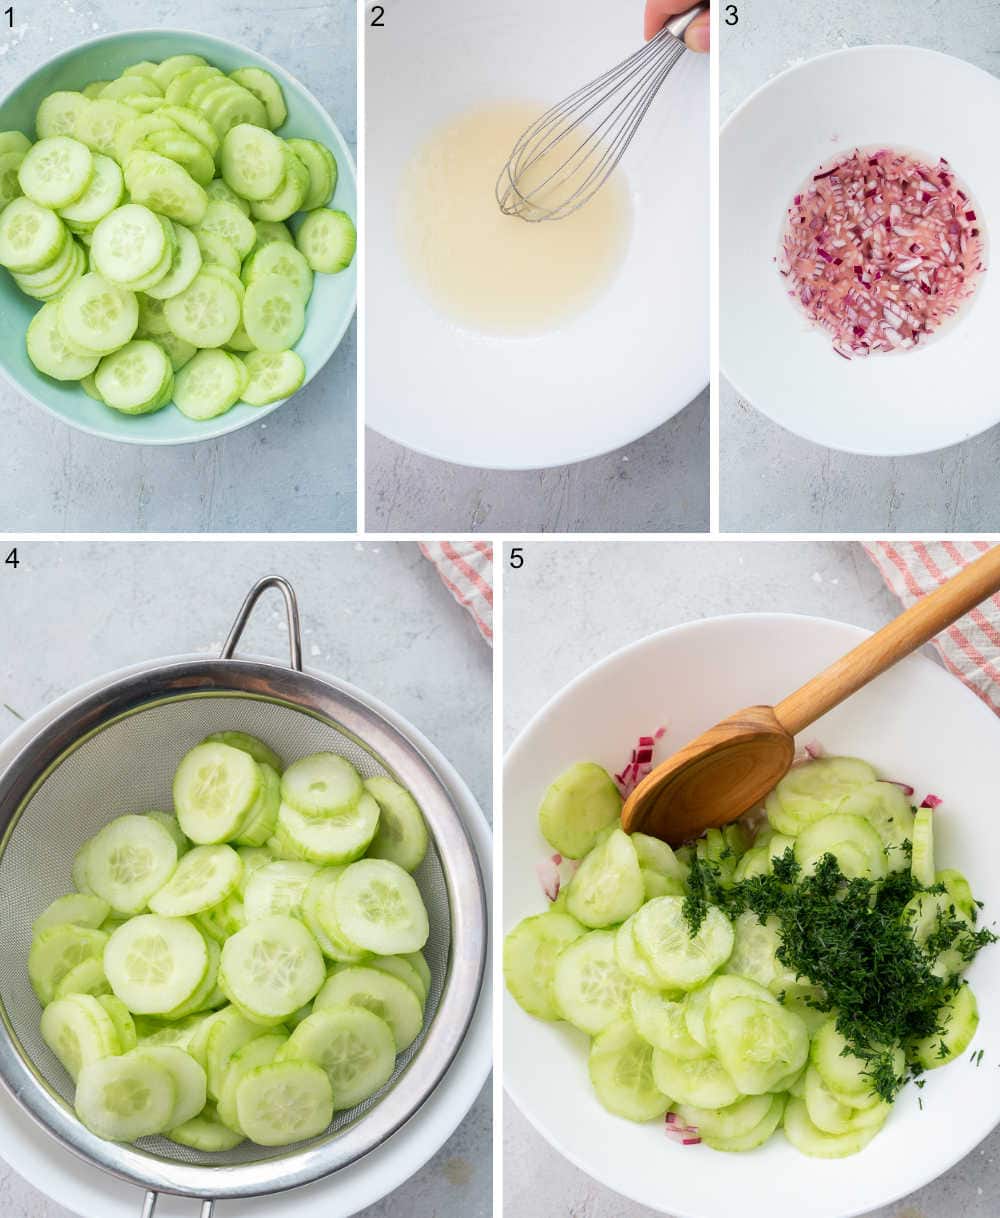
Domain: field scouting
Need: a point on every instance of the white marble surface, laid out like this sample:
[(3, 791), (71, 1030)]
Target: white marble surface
[(293, 472), (658, 484), (772, 481), (565, 609), (373, 614)]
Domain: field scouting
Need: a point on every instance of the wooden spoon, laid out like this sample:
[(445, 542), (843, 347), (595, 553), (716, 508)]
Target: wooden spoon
[(725, 771)]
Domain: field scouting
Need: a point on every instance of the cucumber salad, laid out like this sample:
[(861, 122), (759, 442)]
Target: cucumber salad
[(246, 966), (791, 971), (149, 218)]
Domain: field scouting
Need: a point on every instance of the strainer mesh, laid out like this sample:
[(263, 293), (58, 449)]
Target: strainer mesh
[(128, 766)]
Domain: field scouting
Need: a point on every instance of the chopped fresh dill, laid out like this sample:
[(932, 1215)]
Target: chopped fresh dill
[(852, 940)]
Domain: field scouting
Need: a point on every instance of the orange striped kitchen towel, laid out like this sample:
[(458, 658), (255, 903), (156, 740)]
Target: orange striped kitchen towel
[(970, 648), (466, 570)]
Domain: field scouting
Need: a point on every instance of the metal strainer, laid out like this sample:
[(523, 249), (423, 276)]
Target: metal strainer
[(115, 752)]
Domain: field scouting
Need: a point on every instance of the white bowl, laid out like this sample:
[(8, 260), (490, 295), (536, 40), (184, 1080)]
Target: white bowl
[(916, 723), (633, 359), (907, 402)]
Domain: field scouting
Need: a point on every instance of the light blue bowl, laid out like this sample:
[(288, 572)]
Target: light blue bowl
[(330, 307)]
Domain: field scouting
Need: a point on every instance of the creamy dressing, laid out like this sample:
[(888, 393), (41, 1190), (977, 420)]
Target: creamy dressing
[(496, 273)]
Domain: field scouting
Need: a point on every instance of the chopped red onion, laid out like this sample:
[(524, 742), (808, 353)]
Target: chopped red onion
[(932, 801), (907, 278), (639, 764), (548, 878), (903, 786)]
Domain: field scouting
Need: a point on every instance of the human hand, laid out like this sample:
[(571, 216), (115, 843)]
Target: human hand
[(659, 11)]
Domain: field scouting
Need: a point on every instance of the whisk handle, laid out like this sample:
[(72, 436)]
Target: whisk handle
[(677, 25), (151, 1198)]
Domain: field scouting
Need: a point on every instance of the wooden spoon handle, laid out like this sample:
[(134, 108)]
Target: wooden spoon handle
[(907, 633)]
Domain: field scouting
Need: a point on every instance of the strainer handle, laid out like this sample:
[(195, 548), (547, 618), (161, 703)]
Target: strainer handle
[(151, 1198), (294, 629)]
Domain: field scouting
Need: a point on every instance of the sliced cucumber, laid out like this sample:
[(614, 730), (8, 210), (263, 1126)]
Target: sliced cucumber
[(401, 836), (57, 950), (267, 90), (621, 1072), (400, 967), (290, 196), (205, 876), (258, 750), (128, 244), (161, 184), (701, 1081), (757, 1040), (810, 791), (322, 167), (922, 863), (207, 386), (320, 916), (50, 351), (274, 313), (104, 193), (581, 803), (206, 1133), (80, 909), (607, 887), (530, 951), (277, 888), (851, 840), (662, 1023), (87, 977), (353, 1045), (321, 784), (122, 1019), (271, 968), (56, 171), (125, 1098), (129, 860), (328, 239), (754, 1137), (31, 237), (79, 1030), (262, 1050), (229, 1032), (263, 818), (185, 266), (734, 1121), (226, 220), (284, 1102), (959, 1020), (156, 964), (682, 960), (136, 379), (216, 786), (810, 1140), (339, 837), (273, 375), (188, 1077), (379, 908), (589, 989), (379, 992)]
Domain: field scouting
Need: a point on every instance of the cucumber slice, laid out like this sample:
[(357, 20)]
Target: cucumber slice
[(31, 237), (662, 1023), (811, 791), (695, 1013), (959, 890), (680, 960), (339, 837), (125, 1098), (842, 1072), (129, 243), (320, 916), (322, 169), (131, 135), (577, 807), (216, 786), (136, 379), (810, 1140), (630, 959), (155, 964), (401, 836), (959, 1020), (194, 124), (734, 1121), (621, 1072), (271, 968), (131, 86), (529, 960), (184, 150), (79, 1030), (258, 750), (264, 816), (124, 1024), (99, 317), (223, 920), (76, 266), (758, 1041), (217, 189), (290, 197), (328, 239), (164, 186), (207, 386), (273, 375), (185, 265), (321, 784), (169, 822), (87, 977), (207, 994), (253, 162), (267, 90), (274, 313), (172, 67), (285, 261), (756, 1136), (79, 874), (229, 106), (10, 186), (851, 840), (59, 114), (206, 1133), (277, 888), (922, 862), (129, 860), (589, 988), (284, 1102), (754, 953), (829, 1115), (228, 221), (57, 950), (13, 142), (188, 1077), (379, 992), (56, 171), (607, 887), (353, 1045), (890, 814), (230, 1031), (271, 230), (206, 314), (184, 82), (205, 876), (104, 193), (79, 909), (262, 1050), (701, 1081), (49, 350), (379, 908), (253, 857)]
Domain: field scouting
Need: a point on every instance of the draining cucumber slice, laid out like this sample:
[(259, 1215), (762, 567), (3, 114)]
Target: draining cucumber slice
[(79, 1030), (379, 907), (321, 784), (284, 1102), (215, 786), (87, 977), (379, 992), (125, 1098), (401, 836), (261, 1050), (320, 916), (188, 1078), (271, 968), (128, 860), (79, 909), (264, 816), (57, 950), (353, 1045), (277, 888), (205, 1133), (205, 876), (339, 837), (155, 964)]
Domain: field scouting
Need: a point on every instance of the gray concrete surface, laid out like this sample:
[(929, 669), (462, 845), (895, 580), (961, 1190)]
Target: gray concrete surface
[(374, 614), (770, 480), (563, 610), (293, 472), (658, 484)]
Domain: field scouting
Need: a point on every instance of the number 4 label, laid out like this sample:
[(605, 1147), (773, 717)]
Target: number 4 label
[(12, 559)]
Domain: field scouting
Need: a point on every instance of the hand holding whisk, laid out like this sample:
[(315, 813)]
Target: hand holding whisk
[(567, 155)]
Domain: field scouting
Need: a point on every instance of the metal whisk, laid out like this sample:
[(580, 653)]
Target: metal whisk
[(597, 123)]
